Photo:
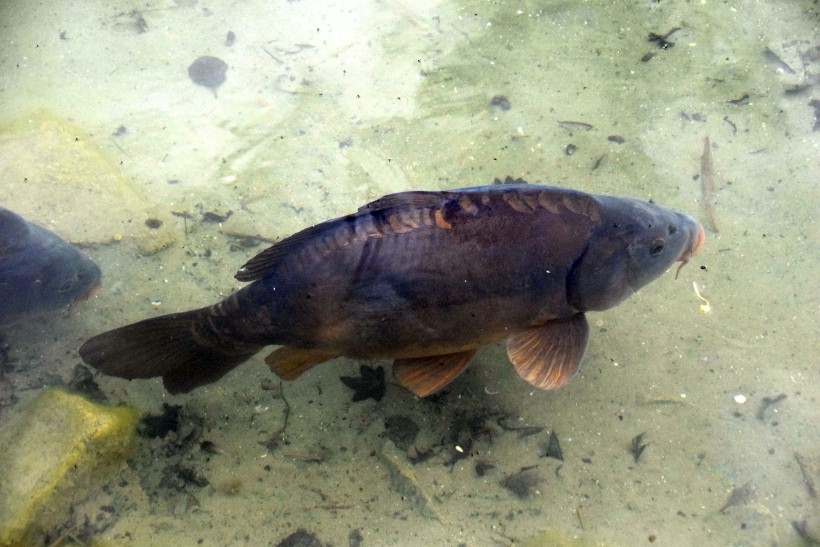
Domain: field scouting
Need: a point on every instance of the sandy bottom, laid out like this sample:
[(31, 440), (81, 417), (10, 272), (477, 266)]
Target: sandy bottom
[(324, 107)]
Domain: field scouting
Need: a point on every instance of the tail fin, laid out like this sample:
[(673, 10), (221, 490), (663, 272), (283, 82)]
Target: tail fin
[(181, 347)]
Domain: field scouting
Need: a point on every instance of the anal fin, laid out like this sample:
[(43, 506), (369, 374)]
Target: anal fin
[(426, 375), (548, 356), (289, 363)]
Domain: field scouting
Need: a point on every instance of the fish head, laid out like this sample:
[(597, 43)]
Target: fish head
[(634, 244), (39, 272), (62, 276)]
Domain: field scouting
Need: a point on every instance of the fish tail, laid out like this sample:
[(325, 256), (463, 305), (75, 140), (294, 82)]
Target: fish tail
[(185, 349)]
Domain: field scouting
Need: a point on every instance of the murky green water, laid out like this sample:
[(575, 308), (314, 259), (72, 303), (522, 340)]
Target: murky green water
[(327, 106)]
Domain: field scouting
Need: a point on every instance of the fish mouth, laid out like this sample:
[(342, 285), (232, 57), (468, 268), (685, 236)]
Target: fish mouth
[(93, 291), (696, 242)]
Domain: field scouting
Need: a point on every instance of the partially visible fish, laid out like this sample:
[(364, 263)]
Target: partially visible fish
[(425, 278), (39, 272)]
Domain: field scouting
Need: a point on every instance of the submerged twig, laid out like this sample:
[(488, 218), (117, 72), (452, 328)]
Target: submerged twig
[(707, 185), (522, 430), (279, 435), (807, 480)]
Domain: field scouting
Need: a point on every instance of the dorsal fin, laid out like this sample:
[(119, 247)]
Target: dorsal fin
[(266, 261), (407, 199), (14, 232)]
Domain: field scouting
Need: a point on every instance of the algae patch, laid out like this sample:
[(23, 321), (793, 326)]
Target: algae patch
[(59, 450)]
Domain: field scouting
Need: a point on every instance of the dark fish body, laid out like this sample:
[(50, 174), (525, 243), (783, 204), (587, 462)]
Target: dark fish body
[(39, 272), (425, 278)]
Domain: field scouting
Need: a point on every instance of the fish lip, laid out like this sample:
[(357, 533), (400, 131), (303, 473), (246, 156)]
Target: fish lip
[(696, 242), (695, 245)]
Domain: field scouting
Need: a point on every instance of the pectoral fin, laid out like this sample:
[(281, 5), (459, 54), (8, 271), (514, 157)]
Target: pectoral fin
[(548, 356), (290, 363), (426, 375)]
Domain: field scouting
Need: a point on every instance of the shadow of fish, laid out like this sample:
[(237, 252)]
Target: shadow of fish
[(425, 278), (39, 272)]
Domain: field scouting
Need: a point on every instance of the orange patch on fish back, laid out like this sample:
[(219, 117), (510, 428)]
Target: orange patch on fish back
[(513, 199), (440, 221), (547, 202), (399, 224)]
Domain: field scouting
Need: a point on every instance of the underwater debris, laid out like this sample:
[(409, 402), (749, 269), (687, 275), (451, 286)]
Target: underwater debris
[(522, 430), (814, 103), (743, 100), (807, 480), (706, 306), (319, 455), (131, 21), (775, 60), (239, 243), (355, 538), (767, 402), (300, 538), (707, 185), (178, 476), (796, 89), (216, 218), (731, 124), (465, 431), (278, 438), (230, 38), (570, 149), (159, 425), (500, 102), (417, 455), (617, 139), (575, 126), (404, 481), (693, 117), (598, 162), (801, 528), (552, 448), (121, 131), (637, 446), (208, 72), (401, 430), (229, 487), (661, 40), (523, 483), (368, 385), (209, 447), (483, 467), (153, 223), (739, 496), (647, 57), (82, 382)]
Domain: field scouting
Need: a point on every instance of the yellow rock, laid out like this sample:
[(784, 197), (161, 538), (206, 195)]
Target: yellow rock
[(54, 174), (55, 454)]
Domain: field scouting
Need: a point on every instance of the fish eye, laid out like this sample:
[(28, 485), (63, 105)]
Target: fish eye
[(656, 247), (672, 229)]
